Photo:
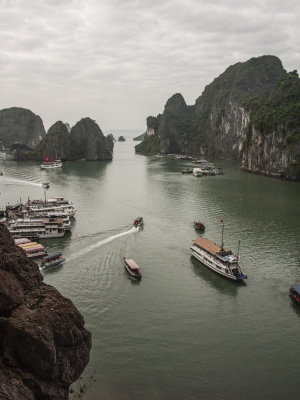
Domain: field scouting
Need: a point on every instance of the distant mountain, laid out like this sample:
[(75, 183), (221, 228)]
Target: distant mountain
[(140, 137), (85, 141), (20, 127), (249, 113)]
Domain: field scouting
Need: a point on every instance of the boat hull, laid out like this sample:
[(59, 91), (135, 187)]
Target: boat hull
[(52, 264)]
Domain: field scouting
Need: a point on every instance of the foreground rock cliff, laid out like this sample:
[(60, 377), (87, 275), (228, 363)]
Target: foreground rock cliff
[(250, 113), (44, 346), (20, 128)]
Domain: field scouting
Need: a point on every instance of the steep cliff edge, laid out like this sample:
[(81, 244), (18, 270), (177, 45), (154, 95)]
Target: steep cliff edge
[(88, 142), (249, 113), (20, 127), (44, 346)]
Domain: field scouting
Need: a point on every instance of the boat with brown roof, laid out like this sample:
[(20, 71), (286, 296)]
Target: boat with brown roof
[(132, 268), (218, 259)]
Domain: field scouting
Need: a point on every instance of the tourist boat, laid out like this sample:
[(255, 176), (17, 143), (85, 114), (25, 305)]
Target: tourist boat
[(295, 292), (197, 172), (33, 249), (138, 222), (218, 259), (54, 205), (132, 268), (52, 260), (40, 217), (51, 164), (199, 225), (43, 228)]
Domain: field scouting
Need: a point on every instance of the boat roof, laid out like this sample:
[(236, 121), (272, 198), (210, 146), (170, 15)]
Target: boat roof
[(208, 245), (131, 263), (297, 288)]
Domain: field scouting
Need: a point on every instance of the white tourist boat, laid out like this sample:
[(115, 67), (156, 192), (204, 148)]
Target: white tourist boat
[(51, 164), (52, 214), (55, 205), (43, 229), (218, 259), (197, 172)]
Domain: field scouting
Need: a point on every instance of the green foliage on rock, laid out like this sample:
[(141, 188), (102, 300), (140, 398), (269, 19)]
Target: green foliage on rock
[(88, 142)]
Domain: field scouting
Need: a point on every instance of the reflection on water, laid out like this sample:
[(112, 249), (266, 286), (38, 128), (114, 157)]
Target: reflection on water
[(183, 332)]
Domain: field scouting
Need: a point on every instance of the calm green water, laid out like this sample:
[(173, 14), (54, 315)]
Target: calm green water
[(183, 332)]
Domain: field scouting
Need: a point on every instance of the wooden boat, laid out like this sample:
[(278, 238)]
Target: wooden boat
[(132, 268), (187, 171), (52, 260), (138, 222), (295, 293), (199, 225), (46, 185)]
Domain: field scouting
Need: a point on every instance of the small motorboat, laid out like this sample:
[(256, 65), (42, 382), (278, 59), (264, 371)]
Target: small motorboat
[(199, 225), (46, 185), (132, 268), (52, 260), (295, 293), (138, 222)]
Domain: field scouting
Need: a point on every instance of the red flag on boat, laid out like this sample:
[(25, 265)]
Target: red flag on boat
[(52, 159), (47, 158), (222, 221)]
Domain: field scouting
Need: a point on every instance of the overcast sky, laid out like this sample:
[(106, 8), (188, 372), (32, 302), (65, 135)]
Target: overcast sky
[(118, 61)]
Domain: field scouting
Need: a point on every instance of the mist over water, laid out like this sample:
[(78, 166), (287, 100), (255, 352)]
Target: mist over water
[(183, 332)]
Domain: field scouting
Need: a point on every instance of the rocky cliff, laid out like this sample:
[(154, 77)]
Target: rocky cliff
[(85, 141), (249, 113), (20, 128), (88, 142), (44, 346)]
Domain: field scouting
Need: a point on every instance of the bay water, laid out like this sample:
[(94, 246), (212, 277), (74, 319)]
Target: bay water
[(182, 332)]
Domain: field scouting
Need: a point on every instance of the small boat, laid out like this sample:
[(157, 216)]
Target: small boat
[(52, 260), (138, 222), (295, 292), (132, 268), (46, 185), (187, 171), (197, 172), (199, 225)]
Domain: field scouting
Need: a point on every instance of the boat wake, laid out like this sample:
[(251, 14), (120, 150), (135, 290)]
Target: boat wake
[(13, 181), (102, 242)]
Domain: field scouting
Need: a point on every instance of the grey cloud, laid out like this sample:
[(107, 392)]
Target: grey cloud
[(129, 56)]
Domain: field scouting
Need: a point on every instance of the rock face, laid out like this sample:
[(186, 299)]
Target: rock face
[(249, 113), (44, 346), (20, 127), (88, 142), (85, 141), (56, 143)]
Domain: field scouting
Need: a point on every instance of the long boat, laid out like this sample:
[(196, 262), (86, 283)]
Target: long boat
[(52, 260), (132, 268), (222, 261)]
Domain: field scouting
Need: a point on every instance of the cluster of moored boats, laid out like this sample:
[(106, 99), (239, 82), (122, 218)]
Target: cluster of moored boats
[(40, 219), (205, 168), (37, 250)]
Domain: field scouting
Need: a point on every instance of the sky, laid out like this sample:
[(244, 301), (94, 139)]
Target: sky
[(119, 61)]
